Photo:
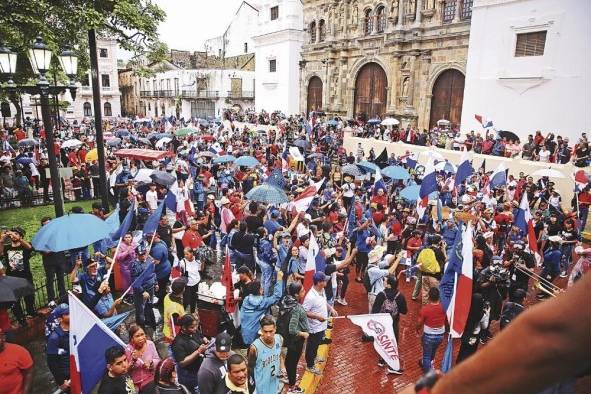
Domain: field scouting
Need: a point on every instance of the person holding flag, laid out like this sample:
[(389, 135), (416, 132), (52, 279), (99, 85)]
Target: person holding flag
[(143, 285)]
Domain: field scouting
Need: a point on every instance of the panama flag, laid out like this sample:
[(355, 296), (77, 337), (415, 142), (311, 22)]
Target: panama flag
[(456, 283), (485, 123), (581, 180), (89, 339), (524, 221), (428, 186), (313, 254), (302, 202), (378, 183), (464, 169), (498, 177), (285, 158)]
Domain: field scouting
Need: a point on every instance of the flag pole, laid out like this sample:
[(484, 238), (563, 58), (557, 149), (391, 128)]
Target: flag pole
[(114, 259)]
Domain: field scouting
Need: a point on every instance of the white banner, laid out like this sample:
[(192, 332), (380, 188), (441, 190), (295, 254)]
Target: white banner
[(379, 326)]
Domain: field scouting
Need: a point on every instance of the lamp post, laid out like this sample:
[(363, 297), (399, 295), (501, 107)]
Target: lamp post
[(40, 56)]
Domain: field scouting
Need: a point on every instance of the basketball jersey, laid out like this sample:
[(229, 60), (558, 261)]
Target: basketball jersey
[(268, 367)]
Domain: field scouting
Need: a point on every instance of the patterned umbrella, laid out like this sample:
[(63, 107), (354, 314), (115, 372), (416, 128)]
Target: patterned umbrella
[(28, 142), (268, 194), (352, 170)]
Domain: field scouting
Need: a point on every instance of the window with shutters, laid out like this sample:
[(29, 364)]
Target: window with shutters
[(274, 13), (321, 30), (466, 11), (312, 32), (272, 65), (368, 23), (87, 109), (107, 111), (449, 10), (530, 44), (380, 19)]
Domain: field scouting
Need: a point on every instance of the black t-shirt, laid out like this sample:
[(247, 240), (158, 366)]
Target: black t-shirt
[(118, 385), (16, 260), (165, 233), (185, 344), (329, 270), (243, 242), (554, 229), (253, 222)]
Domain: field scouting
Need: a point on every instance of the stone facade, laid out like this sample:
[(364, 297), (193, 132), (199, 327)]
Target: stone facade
[(413, 41)]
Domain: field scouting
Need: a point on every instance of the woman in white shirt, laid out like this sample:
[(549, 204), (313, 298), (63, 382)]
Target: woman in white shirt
[(544, 155), (191, 269)]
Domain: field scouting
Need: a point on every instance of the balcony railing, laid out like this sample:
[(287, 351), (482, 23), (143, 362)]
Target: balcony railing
[(205, 94), (146, 93), (245, 94)]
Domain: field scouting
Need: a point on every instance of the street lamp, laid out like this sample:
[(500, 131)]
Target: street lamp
[(40, 57)]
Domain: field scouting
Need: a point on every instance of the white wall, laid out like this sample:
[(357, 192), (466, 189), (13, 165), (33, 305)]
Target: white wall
[(523, 94), (282, 40), (240, 30)]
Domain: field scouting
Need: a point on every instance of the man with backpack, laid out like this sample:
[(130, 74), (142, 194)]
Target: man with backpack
[(391, 301), (512, 308), (376, 271)]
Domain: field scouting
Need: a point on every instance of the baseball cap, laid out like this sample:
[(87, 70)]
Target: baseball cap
[(223, 342), (318, 277), (61, 310)]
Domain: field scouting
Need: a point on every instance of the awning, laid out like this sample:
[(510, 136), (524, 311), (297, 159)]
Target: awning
[(144, 154)]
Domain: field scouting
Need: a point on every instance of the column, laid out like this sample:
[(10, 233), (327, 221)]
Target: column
[(457, 11), (418, 10), (395, 84), (413, 78), (401, 6)]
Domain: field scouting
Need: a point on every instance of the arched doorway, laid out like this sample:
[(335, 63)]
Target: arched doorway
[(314, 94), (448, 95), (371, 91)]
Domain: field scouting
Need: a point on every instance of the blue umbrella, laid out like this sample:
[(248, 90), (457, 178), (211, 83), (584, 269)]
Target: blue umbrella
[(410, 193), (353, 170), (23, 160), (268, 194), (374, 121), (28, 142), (246, 161), (70, 232), (224, 159), (332, 122), (113, 142), (122, 133), (395, 172), (368, 166)]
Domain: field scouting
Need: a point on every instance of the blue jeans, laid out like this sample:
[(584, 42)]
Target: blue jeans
[(267, 272), (567, 256), (144, 314), (430, 344), (583, 214)]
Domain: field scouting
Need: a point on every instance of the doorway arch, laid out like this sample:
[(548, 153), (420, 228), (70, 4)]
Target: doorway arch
[(314, 94), (447, 97), (371, 93)]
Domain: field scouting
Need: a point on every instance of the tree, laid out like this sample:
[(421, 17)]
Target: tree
[(133, 23)]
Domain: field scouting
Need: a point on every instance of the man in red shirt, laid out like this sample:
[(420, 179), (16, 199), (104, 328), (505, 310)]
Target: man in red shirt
[(16, 367), (432, 323), (192, 239), (414, 243), (380, 198)]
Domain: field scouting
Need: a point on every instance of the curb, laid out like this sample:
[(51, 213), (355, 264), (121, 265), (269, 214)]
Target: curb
[(309, 381)]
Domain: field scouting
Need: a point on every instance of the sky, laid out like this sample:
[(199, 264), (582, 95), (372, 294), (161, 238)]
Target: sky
[(190, 22)]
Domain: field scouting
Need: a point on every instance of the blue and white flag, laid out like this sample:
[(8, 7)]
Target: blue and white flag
[(151, 224), (498, 177), (464, 169), (124, 227)]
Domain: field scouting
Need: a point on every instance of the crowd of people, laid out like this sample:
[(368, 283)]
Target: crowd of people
[(546, 149), (368, 233)]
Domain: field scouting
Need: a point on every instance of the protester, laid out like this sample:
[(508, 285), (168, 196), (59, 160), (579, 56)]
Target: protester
[(165, 378), (213, 369), (142, 357), (58, 349), (173, 309), (116, 379), (266, 359), (143, 287), (53, 264), (16, 367), (298, 332), (191, 269), (188, 349), (431, 322), (236, 380)]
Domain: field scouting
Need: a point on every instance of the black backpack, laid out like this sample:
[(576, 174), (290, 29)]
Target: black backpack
[(283, 318), (510, 312)]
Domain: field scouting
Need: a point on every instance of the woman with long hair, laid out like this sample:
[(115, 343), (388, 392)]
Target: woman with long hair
[(165, 378), (143, 358)]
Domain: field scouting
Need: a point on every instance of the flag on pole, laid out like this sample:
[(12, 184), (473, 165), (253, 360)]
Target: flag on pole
[(302, 202), (230, 305), (351, 222), (124, 227), (464, 169), (485, 123), (313, 251), (378, 183), (380, 327), (115, 321), (524, 221), (428, 186), (456, 284), (498, 177), (151, 224), (581, 180), (89, 339)]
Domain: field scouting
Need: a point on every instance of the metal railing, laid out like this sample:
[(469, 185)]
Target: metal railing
[(201, 94), (41, 299), (146, 93), (245, 94)]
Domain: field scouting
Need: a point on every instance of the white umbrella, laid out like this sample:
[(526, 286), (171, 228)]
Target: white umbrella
[(163, 141), (143, 175), (549, 172), (433, 154), (71, 143), (443, 122), (390, 122)]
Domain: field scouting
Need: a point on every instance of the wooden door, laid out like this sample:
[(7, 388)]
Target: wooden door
[(314, 95), (371, 91), (448, 95), (236, 87)]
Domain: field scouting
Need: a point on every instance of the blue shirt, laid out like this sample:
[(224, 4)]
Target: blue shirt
[(253, 309), (552, 261), (160, 252), (137, 267), (449, 235), (272, 226), (361, 243)]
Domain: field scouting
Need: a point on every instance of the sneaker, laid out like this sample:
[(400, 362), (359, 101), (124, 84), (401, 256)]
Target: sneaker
[(381, 364), (394, 371), (314, 370), (342, 301), (563, 274), (326, 341), (295, 389)]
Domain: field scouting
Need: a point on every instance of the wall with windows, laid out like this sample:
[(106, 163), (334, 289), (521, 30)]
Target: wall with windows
[(236, 40), (528, 66)]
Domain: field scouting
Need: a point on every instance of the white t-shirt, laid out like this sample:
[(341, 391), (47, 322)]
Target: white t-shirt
[(315, 302), (348, 190), (192, 268), (544, 155), (152, 199)]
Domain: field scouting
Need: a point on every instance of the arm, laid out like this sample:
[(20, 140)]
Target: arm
[(252, 358), (189, 359), (420, 323), (27, 380), (347, 260)]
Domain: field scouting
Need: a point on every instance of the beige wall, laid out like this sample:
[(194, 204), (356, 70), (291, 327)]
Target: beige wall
[(564, 186)]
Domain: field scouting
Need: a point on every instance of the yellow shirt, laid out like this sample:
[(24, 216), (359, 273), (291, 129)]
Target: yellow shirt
[(170, 308), (428, 261)]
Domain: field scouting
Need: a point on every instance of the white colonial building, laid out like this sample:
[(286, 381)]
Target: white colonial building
[(237, 38), (528, 66), (195, 93), (278, 43), (108, 82)]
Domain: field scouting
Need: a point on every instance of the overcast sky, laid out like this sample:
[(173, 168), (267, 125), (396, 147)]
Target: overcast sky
[(190, 22)]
